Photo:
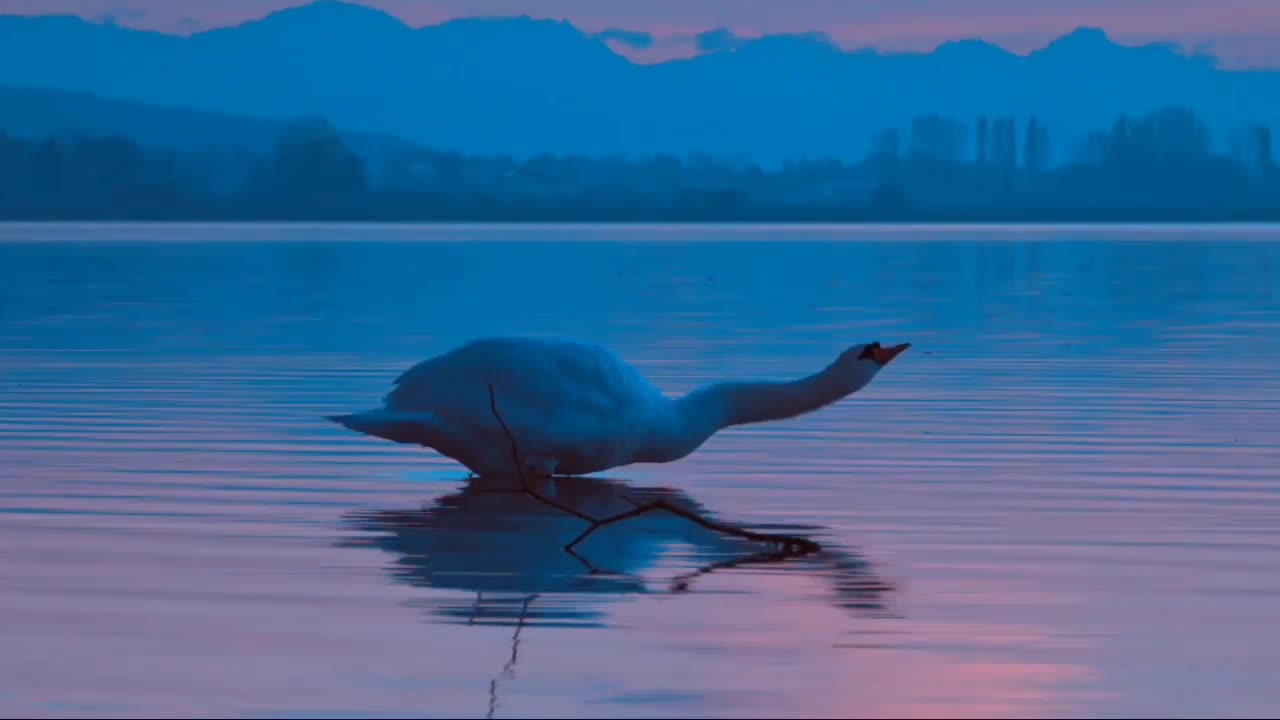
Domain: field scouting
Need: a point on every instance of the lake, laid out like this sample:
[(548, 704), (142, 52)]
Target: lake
[(1064, 500)]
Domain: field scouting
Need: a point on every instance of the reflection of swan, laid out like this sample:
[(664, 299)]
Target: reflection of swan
[(577, 408), (497, 541)]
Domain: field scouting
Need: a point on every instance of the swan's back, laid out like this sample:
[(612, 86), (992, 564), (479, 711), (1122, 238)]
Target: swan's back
[(543, 371), (575, 406)]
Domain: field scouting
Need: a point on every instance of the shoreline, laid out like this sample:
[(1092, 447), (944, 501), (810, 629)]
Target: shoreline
[(17, 233), (1270, 219)]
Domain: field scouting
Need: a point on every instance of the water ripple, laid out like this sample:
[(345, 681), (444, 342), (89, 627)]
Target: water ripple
[(1062, 501)]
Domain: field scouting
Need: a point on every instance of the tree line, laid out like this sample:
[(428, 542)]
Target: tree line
[(1158, 166)]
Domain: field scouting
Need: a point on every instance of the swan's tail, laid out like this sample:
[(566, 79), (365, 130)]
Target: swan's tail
[(401, 427)]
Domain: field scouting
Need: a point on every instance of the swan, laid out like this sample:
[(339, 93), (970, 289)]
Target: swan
[(576, 408)]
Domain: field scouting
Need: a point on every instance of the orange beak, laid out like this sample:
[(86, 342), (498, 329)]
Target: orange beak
[(883, 355)]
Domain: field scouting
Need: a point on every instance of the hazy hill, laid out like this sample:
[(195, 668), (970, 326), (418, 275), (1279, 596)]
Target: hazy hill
[(39, 112)]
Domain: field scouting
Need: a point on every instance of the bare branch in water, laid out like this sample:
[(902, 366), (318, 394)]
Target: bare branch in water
[(520, 469), (791, 545)]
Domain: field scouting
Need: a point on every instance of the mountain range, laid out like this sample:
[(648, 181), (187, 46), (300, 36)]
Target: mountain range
[(522, 86)]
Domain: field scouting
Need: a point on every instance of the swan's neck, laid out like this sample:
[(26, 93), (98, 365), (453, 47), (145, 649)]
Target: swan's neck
[(702, 413), (740, 403)]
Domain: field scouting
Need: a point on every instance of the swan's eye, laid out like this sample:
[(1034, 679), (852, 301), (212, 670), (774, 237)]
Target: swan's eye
[(869, 352)]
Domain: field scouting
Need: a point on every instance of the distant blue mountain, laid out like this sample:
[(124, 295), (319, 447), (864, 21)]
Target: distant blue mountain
[(521, 86)]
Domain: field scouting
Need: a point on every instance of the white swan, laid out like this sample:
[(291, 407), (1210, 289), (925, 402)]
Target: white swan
[(576, 408)]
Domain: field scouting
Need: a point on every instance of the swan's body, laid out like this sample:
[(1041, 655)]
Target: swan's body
[(575, 408)]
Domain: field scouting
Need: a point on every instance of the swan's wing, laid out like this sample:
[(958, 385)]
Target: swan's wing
[(556, 396)]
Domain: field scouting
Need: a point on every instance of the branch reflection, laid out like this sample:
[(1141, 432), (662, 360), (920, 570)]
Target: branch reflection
[(502, 546)]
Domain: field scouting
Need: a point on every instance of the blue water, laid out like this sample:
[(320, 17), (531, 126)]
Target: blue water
[(1062, 501)]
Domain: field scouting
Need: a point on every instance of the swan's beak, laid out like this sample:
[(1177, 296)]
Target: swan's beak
[(883, 355)]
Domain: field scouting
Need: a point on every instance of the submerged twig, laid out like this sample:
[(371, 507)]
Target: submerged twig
[(681, 582), (509, 668), (792, 546)]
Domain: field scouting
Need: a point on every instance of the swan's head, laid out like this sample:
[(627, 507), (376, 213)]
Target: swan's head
[(861, 362)]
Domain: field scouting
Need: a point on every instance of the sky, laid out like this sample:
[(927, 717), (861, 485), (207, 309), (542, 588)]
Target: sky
[(1242, 33)]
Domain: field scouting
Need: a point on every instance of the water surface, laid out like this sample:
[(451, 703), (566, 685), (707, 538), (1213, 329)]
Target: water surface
[(1062, 501)]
